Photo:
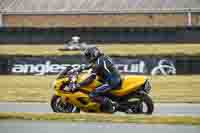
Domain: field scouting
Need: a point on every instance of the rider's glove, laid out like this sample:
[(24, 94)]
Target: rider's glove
[(85, 67)]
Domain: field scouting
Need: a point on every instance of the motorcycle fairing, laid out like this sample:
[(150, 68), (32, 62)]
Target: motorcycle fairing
[(80, 100), (60, 82), (129, 84)]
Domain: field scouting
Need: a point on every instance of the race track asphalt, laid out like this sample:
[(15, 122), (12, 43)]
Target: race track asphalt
[(7, 126), (160, 109), (26, 126)]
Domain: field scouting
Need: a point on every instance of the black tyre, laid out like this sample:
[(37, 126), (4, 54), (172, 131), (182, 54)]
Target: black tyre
[(144, 100), (58, 106)]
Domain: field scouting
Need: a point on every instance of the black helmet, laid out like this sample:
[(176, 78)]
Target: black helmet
[(92, 54)]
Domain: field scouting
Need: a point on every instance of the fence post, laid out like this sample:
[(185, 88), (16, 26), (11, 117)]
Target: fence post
[(189, 18), (1, 19)]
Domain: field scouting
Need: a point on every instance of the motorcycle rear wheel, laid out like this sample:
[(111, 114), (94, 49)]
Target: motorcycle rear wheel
[(143, 100), (58, 106)]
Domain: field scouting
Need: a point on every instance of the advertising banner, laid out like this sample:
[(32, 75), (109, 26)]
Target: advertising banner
[(130, 65), (53, 65)]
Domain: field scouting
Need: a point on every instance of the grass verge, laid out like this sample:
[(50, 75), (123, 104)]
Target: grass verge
[(110, 49), (140, 119), (165, 89)]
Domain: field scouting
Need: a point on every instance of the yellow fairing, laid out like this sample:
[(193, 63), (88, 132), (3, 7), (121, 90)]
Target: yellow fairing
[(84, 104), (129, 84), (59, 82), (88, 104), (91, 86)]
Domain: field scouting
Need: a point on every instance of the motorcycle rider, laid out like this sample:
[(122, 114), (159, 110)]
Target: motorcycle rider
[(103, 67)]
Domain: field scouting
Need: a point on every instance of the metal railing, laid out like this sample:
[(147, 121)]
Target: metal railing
[(187, 11), (82, 11)]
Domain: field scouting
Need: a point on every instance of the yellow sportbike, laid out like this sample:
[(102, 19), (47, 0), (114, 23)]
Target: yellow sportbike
[(132, 97)]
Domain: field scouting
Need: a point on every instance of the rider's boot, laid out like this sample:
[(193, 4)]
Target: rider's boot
[(106, 104)]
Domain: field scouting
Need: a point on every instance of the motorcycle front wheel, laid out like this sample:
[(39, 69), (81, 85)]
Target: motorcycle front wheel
[(57, 105)]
